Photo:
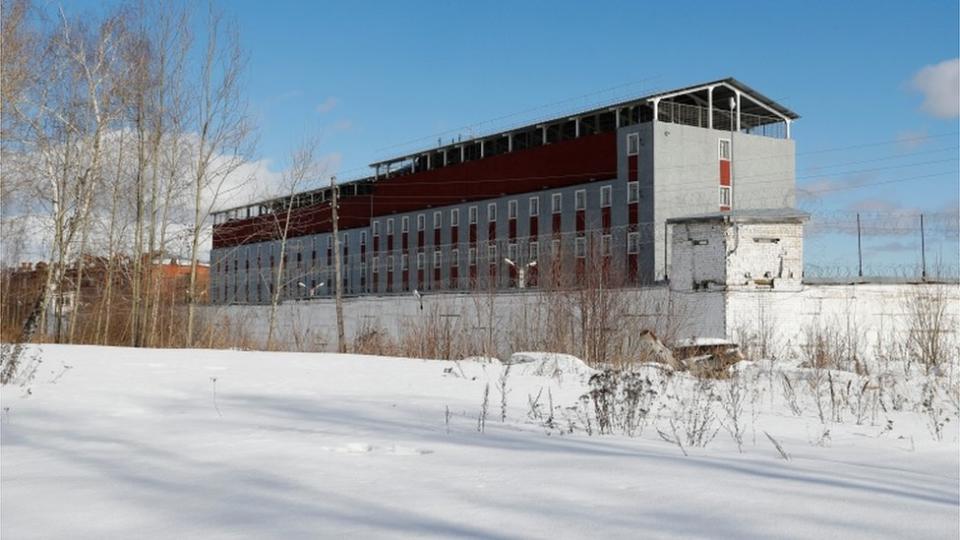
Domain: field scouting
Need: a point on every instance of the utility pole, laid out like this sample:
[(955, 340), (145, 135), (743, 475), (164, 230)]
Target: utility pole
[(859, 248), (923, 250), (341, 342)]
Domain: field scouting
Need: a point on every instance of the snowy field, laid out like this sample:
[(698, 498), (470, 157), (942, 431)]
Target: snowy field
[(124, 443)]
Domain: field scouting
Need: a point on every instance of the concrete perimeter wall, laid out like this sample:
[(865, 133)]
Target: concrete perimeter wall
[(868, 312)]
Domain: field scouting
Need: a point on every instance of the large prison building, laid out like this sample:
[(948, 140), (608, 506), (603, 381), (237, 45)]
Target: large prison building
[(582, 192)]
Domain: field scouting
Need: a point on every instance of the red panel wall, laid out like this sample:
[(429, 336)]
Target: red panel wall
[(546, 167), (554, 165)]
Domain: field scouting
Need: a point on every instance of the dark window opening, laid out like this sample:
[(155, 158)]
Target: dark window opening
[(471, 152), (607, 122)]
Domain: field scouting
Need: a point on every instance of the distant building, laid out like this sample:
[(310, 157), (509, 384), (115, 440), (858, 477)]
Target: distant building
[(583, 192)]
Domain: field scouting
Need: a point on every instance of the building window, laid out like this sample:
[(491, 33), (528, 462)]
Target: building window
[(725, 196), (404, 262), (437, 219), (376, 264), (534, 206), (492, 253), (472, 215), (633, 192), (455, 217), (512, 210), (376, 228), (405, 224), (557, 202), (633, 242), (421, 260), (606, 195), (492, 212), (390, 226), (390, 263), (436, 259), (633, 144), (454, 258), (512, 252), (580, 199), (725, 149), (421, 222), (472, 257), (534, 250), (555, 247), (363, 241), (605, 242), (580, 247)]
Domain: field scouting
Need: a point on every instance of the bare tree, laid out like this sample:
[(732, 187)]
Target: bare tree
[(304, 166), (223, 136)]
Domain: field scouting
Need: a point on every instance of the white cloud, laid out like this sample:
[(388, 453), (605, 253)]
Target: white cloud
[(940, 86), (911, 139), (328, 105)]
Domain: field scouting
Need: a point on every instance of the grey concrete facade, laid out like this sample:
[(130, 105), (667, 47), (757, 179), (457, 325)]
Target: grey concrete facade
[(678, 174)]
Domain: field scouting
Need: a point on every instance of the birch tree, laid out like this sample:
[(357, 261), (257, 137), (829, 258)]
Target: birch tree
[(223, 133)]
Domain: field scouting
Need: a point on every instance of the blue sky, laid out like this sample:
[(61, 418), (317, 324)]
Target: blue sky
[(382, 78)]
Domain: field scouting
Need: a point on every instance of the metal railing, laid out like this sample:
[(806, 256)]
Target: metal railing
[(695, 115)]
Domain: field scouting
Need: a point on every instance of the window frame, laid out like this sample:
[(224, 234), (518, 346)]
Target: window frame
[(633, 192), (633, 144), (405, 224), (437, 219), (556, 203), (580, 200), (492, 212), (472, 213), (421, 222), (721, 144), (533, 206), (726, 192), (455, 217), (606, 192), (513, 209), (580, 247), (633, 243)]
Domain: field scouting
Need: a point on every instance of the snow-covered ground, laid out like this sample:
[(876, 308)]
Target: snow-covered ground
[(124, 443)]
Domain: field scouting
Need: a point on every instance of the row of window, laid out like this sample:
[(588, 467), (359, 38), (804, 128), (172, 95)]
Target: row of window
[(580, 252), (533, 208)]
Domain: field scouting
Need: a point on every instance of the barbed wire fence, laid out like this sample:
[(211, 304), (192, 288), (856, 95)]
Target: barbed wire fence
[(882, 245)]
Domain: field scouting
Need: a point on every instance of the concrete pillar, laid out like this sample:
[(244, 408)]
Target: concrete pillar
[(738, 112)]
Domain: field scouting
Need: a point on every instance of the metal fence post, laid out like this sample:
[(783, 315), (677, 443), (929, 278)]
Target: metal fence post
[(923, 251), (859, 247)]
